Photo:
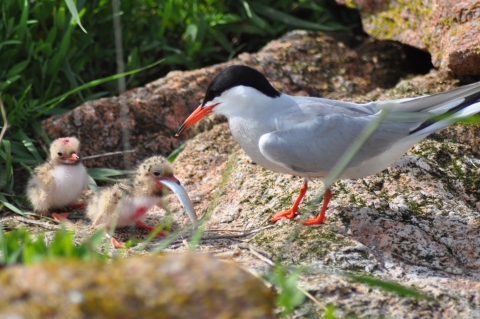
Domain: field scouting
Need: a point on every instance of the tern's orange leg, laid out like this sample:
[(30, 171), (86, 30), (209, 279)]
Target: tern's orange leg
[(290, 213), (321, 217), (141, 224)]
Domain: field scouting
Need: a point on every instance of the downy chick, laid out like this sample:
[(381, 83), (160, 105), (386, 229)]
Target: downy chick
[(60, 181), (127, 203)]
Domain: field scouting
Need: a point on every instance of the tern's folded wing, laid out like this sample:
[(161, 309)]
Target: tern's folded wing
[(316, 145)]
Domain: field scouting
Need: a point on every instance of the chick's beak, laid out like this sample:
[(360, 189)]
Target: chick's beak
[(196, 116), (170, 178), (174, 185), (73, 158)]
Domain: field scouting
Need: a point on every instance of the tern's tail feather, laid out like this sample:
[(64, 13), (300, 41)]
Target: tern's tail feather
[(440, 122), (446, 108)]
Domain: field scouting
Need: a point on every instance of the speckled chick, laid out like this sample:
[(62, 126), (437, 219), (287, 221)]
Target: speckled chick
[(61, 180), (130, 201)]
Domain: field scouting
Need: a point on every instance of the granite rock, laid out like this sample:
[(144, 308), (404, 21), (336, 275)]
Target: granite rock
[(448, 30), (185, 285)]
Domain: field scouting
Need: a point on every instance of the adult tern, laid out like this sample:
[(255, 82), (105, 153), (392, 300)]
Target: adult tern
[(306, 136)]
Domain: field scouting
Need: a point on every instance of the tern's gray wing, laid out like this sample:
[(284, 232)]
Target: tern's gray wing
[(314, 143)]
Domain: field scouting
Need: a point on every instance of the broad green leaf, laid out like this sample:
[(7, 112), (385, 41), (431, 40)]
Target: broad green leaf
[(227, 19), (9, 81), (191, 32), (92, 184), (17, 68)]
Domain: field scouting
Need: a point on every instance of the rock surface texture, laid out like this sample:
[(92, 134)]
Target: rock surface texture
[(174, 286), (416, 223), (449, 30)]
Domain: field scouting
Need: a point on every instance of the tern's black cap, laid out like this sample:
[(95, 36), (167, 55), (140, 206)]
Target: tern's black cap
[(237, 75)]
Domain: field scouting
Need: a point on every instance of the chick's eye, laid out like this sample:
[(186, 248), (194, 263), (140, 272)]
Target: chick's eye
[(59, 154), (156, 173)]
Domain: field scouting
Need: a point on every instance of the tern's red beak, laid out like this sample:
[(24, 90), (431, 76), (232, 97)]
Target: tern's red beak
[(196, 116)]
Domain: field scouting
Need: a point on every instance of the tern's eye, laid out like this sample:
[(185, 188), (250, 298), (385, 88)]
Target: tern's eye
[(156, 173), (59, 154)]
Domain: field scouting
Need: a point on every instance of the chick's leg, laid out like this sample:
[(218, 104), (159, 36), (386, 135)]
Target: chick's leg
[(116, 244), (141, 224), (61, 217)]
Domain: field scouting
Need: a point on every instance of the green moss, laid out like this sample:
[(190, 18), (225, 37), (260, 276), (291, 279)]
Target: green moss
[(226, 174), (390, 22), (413, 206), (350, 4)]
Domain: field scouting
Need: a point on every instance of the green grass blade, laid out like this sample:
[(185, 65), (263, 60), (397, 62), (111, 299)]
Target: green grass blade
[(290, 20), (73, 11), (352, 150), (52, 103), (40, 131), (13, 208), (98, 172), (3, 243), (29, 145), (5, 121), (173, 155), (166, 14), (27, 168), (9, 42), (57, 60), (390, 286), (22, 27), (8, 164)]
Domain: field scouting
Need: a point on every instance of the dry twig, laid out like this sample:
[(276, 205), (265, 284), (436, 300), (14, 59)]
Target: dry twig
[(36, 222)]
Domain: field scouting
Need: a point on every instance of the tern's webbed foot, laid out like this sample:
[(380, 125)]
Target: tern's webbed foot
[(289, 214), (312, 221)]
